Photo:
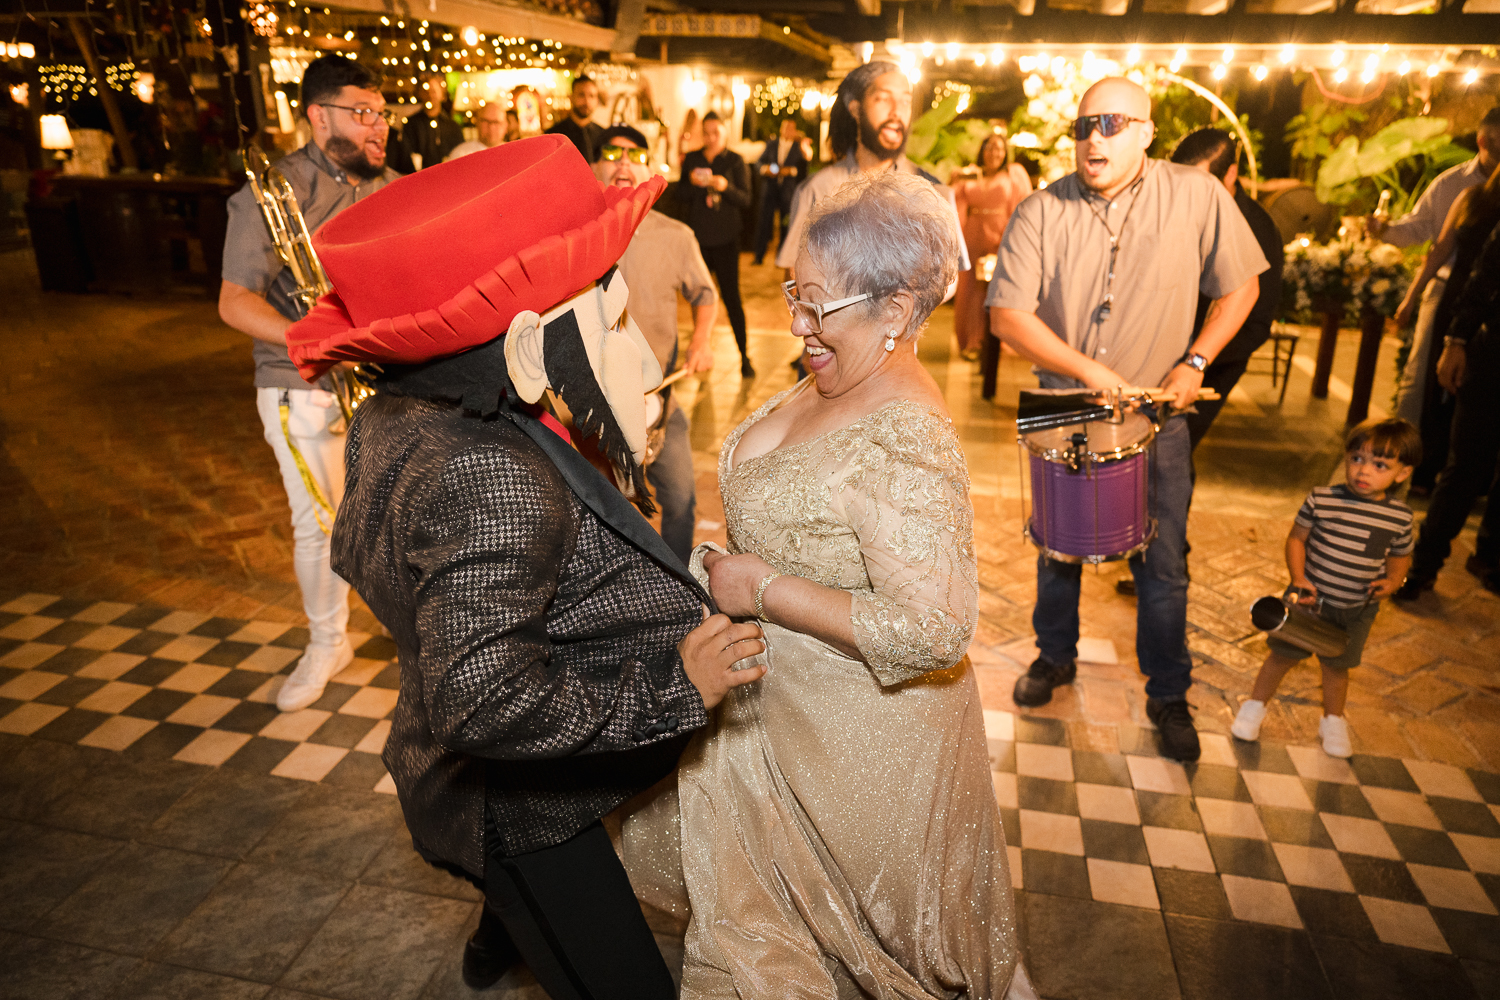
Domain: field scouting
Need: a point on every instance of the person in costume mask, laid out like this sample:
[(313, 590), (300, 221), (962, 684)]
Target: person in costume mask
[(555, 655)]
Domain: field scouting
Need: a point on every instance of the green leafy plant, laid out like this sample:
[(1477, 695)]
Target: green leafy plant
[(1403, 157), (1313, 134), (940, 145)]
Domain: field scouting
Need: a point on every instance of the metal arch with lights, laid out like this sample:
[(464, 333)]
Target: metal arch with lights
[(1228, 113)]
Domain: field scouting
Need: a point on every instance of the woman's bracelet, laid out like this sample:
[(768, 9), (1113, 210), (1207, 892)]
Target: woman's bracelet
[(760, 594)]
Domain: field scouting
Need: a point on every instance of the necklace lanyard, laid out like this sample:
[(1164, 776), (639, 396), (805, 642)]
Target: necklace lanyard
[(1107, 306)]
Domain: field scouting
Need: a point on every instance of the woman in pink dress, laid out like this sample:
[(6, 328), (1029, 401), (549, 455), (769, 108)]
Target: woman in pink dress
[(984, 207)]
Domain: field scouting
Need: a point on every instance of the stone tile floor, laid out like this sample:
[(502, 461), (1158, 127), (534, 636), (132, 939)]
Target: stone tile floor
[(166, 834)]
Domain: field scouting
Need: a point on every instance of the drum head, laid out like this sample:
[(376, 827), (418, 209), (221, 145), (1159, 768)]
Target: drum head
[(1107, 442)]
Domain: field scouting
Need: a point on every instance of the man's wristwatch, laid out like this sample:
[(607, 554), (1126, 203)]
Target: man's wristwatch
[(1196, 361), (1455, 342)]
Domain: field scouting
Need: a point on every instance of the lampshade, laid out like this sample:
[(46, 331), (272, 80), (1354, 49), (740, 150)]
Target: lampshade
[(55, 134)]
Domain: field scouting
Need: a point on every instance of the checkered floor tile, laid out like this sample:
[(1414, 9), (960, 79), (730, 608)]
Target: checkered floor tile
[(155, 683), (1403, 852)]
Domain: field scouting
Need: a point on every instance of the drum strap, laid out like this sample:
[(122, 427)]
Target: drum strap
[(1114, 245)]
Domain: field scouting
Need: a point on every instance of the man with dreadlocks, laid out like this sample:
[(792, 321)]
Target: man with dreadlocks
[(554, 653), (868, 127)]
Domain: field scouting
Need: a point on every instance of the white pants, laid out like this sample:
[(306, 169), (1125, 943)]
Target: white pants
[(1411, 387), (325, 597)]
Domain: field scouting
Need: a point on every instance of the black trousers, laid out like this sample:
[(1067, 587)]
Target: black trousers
[(1221, 377), (724, 263), (570, 912), (1471, 468), (775, 214)]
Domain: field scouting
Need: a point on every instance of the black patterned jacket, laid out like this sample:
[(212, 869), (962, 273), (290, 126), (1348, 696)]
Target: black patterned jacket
[(536, 616)]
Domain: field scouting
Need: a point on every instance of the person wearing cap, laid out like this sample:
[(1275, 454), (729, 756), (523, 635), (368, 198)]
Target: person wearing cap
[(1097, 284), (554, 653), (662, 262), (343, 164)]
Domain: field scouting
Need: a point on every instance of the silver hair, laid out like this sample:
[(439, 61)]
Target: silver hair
[(882, 233)]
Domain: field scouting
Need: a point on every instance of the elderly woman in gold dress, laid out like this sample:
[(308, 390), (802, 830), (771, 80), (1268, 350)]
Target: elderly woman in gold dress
[(838, 829)]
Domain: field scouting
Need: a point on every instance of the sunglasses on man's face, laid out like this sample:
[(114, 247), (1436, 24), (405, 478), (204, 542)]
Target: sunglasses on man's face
[(614, 154), (1107, 125)]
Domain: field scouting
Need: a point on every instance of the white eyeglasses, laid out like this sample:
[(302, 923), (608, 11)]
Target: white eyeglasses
[(812, 313)]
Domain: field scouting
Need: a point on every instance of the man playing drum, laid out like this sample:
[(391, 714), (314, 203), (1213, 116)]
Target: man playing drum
[(1097, 283)]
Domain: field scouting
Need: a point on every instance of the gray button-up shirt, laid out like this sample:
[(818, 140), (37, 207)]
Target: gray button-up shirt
[(662, 260), (1184, 235), (323, 190), (1425, 221)]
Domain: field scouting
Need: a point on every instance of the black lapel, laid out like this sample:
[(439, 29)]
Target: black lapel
[(608, 503)]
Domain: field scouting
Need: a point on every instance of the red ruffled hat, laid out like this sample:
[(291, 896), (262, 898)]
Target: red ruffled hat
[(442, 260)]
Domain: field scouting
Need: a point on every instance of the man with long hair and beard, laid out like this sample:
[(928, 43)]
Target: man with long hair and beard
[(868, 127), (344, 163)]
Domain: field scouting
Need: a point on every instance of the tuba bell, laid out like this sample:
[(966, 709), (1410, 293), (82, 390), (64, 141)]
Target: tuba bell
[(289, 234)]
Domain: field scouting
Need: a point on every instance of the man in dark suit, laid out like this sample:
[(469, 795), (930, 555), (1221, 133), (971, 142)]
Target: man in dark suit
[(782, 167), (579, 127), (554, 653), (1216, 151)]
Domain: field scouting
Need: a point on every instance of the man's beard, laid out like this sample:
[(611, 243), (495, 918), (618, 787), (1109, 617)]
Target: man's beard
[(869, 137), (352, 158)]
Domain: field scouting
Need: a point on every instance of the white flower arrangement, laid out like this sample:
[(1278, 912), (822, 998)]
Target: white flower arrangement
[(1348, 275)]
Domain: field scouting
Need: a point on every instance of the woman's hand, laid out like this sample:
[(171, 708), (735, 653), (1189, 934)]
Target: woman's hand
[(732, 581), (1408, 310)]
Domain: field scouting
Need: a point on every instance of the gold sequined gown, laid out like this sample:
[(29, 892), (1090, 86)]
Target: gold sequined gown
[(838, 828)]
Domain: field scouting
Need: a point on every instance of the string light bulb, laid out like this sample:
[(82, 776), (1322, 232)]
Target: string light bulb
[(926, 50), (1471, 77), (1341, 75), (1404, 68), (952, 50), (1338, 57), (1228, 56), (1220, 71), (1260, 73), (1180, 57), (1433, 70), (1133, 56), (1287, 55)]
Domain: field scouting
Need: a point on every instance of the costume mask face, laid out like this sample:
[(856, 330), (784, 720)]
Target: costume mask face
[(589, 351)]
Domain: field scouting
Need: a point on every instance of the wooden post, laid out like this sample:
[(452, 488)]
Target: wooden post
[(1328, 341), (1371, 330), (85, 40)]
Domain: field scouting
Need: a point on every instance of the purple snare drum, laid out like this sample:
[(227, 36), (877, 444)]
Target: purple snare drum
[(1089, 490)]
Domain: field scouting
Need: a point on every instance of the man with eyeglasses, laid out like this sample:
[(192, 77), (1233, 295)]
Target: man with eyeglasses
[(490, 121), (662, 262), (344, 163), (1097, 283)]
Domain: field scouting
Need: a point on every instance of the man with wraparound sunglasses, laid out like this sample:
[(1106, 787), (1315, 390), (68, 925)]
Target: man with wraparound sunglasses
[(662, 262), (344, 163), (1097, 283)]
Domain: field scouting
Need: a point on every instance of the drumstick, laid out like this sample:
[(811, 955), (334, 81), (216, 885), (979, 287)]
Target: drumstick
[(679, 373), (1205, 394)]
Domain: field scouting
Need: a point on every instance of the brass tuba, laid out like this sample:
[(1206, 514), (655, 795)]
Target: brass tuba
[(293, 242)]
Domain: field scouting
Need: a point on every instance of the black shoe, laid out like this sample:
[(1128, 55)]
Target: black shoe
[(759, 261), (1412, 588), (1174, 721), (1478, 567), (1125, 586), (747, 370), (1035, 686), (489, 954)]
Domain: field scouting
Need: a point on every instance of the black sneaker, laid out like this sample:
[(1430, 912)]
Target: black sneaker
[(1125, 586), (1174, 721), (747, 370), (1412, 588), (1035, 686), (489, 954)]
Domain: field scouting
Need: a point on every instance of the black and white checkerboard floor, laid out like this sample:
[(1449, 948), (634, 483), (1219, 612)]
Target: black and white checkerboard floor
[(1402, 852), (157, 683)]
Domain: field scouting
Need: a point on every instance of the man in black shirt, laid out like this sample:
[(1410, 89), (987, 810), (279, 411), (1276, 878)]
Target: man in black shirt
[(714, 192), (580, 130), (432, 135), (1215, 150)]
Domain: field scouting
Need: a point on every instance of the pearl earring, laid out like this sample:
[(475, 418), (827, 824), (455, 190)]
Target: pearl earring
[(890, 342)]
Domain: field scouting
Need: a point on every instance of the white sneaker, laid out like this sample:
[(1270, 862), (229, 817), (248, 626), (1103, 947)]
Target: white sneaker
[(1247, 723), (305, 684), (1335, 733)]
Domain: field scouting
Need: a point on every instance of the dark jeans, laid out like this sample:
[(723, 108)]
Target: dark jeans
[(1161, 581), (775, 214), (1222, 378), (671, 479), (724, 262), (1471, 467), (572, 915)]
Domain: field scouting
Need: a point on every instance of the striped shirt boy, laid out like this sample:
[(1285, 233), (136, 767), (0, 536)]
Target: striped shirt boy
[(1350, 540)]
